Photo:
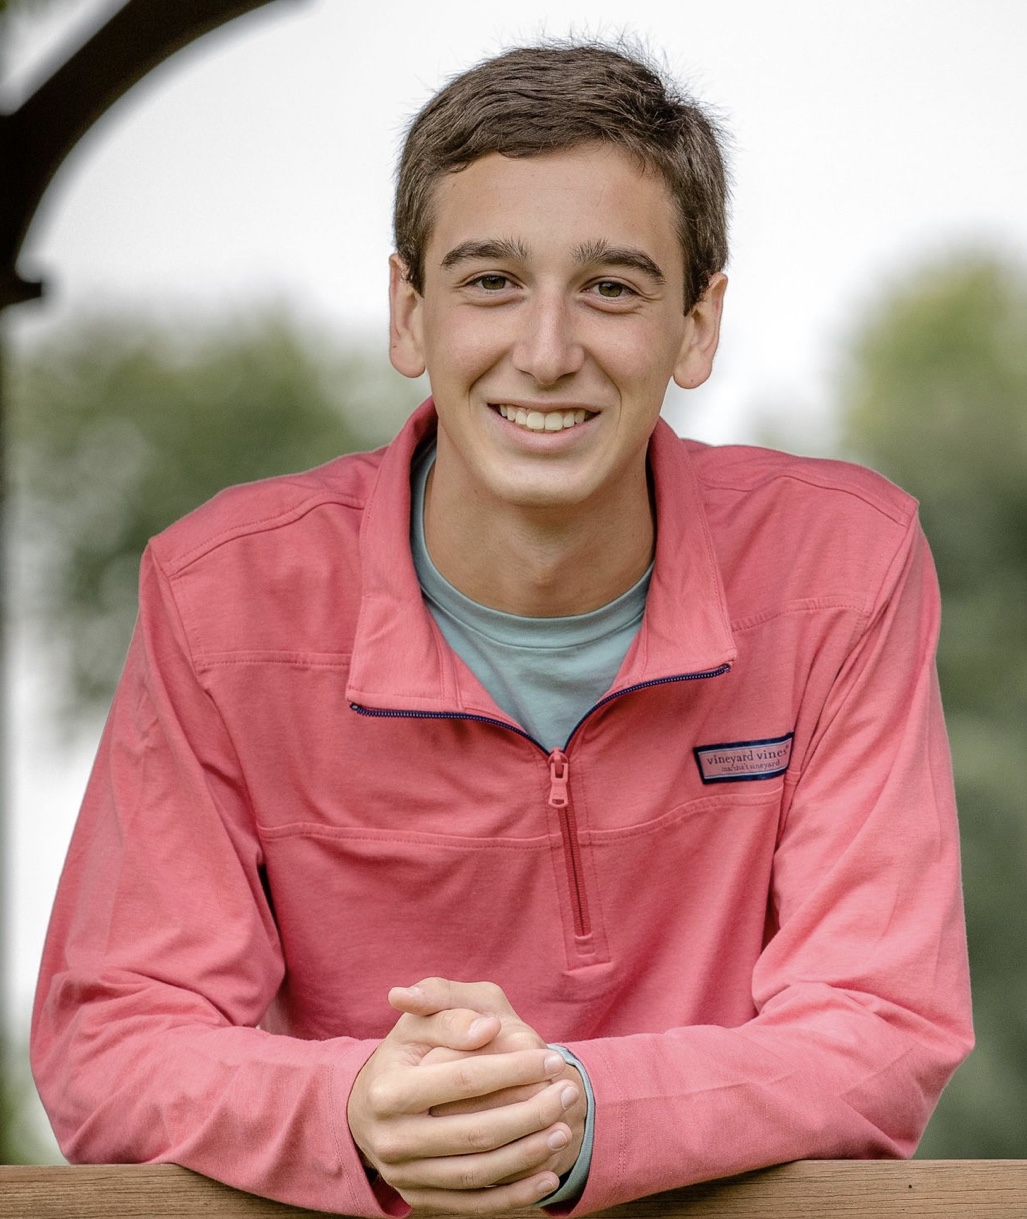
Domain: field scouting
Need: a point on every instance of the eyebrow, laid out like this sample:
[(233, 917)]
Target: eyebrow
[(603, 253), (494, 248)]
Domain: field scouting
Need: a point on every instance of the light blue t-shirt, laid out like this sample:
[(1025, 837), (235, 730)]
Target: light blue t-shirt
[(546, 673)]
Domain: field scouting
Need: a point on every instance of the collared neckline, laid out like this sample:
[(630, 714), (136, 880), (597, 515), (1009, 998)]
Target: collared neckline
[(400, 660)]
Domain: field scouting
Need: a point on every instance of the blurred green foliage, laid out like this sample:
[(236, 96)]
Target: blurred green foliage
[(24, 6), (19, 1141), (935, 397), (118, 427)]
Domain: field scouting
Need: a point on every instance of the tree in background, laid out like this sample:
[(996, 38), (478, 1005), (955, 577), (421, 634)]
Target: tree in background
[(119, 427), (935, 397)]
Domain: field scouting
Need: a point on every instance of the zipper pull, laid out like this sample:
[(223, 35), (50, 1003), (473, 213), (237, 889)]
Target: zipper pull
[(559, 772)]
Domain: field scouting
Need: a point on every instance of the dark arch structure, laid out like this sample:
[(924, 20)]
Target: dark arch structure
[(35, 138)]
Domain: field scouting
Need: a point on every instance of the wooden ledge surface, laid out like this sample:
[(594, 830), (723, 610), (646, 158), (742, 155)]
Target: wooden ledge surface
[(809, 1189)]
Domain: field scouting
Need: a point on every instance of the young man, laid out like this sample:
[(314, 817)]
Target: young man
[(617, 742)]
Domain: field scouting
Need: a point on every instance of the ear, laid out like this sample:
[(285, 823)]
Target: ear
[(406, 338), (702, 334)]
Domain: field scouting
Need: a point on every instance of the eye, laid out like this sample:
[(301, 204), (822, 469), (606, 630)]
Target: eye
[(612, 290)]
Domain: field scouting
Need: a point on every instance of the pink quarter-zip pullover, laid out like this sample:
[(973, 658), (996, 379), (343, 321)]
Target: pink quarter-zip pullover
[(734, 894)]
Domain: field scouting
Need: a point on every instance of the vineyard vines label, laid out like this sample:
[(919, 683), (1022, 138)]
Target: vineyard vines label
[(744, 761)]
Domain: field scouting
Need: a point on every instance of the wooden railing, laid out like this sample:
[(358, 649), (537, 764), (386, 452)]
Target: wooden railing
[(810, 1189)]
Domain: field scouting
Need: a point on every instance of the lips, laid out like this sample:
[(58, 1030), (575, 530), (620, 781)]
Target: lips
[(543, 421)]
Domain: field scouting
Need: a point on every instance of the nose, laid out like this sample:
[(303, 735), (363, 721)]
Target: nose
[(548, 349)]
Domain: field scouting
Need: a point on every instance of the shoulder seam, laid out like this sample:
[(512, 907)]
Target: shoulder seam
[(175, 565), (890, 500), (901, 513)]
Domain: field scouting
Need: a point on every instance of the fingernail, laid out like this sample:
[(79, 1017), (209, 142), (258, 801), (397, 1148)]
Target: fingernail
[(568, 1096), (558, 1140), (553, 1064)]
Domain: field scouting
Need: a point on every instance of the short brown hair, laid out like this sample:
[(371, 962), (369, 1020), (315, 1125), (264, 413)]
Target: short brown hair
[(554, 96)]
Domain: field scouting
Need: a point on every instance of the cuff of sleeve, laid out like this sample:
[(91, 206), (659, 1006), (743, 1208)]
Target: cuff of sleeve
[(572, 1183)]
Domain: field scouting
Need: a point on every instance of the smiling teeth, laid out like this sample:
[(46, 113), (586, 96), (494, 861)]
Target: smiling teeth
[(539, 421)]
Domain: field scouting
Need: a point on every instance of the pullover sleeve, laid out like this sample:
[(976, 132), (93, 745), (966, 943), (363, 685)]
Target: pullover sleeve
[(861, 992), (162, 958)]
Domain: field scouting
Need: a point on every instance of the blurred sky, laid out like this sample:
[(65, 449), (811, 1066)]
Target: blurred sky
[(257, 167)]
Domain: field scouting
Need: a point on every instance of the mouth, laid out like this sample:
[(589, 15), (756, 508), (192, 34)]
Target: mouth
[(543, 421)]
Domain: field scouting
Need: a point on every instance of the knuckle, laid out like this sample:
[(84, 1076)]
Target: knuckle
[(380, 1096), (530, 1157), (388, 1148), (467, 1075), (469, 1178), (480, 1138), (451, 1022), (484, 1203)]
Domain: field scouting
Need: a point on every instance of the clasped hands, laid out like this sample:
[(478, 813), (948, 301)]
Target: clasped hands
[(463, 1107)]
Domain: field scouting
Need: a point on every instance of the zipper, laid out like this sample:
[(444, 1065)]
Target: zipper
[(559, 798), (646, 685), (395, 713), (559, 778), (398, 713)]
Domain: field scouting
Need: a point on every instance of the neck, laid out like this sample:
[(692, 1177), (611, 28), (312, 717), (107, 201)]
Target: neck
[(538, 563)]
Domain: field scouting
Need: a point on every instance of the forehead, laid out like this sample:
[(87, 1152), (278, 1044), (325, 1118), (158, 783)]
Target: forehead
[(592, 193)]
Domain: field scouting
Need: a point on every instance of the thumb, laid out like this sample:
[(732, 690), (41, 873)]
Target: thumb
[(436, 994), (454, 1029)]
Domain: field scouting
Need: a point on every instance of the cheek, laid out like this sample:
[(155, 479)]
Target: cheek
[(459, 350), (640, 361)]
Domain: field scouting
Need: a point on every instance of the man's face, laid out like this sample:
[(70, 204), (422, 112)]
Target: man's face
[(551, 322)]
